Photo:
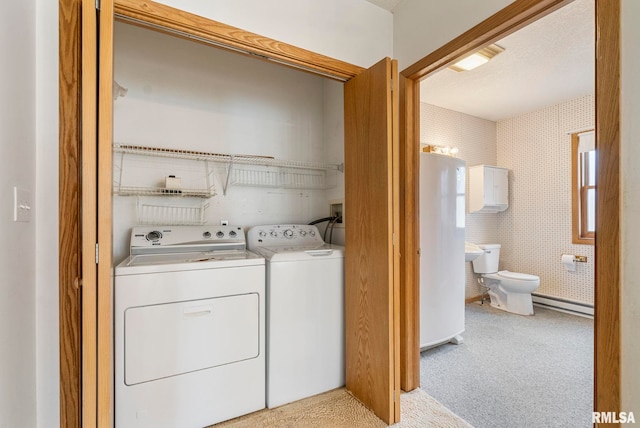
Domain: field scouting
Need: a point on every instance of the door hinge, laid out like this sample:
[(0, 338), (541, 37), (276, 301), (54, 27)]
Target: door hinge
[(97, 254), (97, 4)]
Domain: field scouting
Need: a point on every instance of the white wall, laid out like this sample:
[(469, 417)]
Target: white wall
[(17, 254), (46, 196), (354, 31), (189, 96), (536, 228), (475, 139), (420, 27), (630, 157)]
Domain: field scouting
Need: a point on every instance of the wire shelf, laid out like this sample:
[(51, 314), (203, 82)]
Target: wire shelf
[(241, 170), (222, 157), (170, 213), (138, 175)]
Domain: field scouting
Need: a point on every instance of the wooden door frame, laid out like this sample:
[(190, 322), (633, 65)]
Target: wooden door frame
[(607, 337), (91, 401), (69, 199)]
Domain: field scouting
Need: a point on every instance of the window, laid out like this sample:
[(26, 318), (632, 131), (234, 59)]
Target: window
[(583, 171)]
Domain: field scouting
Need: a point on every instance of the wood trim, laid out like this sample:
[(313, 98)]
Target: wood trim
[(88, 72), (576, 199), (410, 233), (173, 21), (69, 212), (395, 237), (607, 379), (508, 20), (104, 218), (473, 299)]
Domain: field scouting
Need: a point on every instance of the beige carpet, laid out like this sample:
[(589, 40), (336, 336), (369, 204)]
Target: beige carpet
[(339, 409)]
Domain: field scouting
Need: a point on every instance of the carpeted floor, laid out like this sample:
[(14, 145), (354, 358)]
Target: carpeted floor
[(339, 409), (515, 371)]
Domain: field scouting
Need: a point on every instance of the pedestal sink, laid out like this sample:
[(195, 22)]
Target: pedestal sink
[(471, 252)]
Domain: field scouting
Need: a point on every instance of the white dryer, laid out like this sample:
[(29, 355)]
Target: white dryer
[(189, 321), (305, 311)]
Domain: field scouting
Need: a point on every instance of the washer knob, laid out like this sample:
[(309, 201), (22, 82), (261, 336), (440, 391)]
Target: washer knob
[(288, 233), (206, 235), (232, 234), (262, 233), (220, 234), (154, 235), (274, 234), (302, 233), (312, 232)]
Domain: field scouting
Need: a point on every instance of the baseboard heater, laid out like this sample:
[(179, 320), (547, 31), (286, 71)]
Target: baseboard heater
[(563, 305)]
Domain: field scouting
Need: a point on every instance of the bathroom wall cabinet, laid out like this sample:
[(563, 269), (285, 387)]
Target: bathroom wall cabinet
[(488, 189)]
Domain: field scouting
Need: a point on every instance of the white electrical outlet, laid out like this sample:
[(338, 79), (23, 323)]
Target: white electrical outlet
[(21, 205)]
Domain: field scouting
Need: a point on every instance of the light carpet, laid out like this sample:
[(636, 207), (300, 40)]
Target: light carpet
[(339, 409), (515, 371)]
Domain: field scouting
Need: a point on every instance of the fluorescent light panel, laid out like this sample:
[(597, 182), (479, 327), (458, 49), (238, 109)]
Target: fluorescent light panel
[(477, 59)]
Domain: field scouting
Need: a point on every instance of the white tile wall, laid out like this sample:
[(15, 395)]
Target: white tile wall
[(475, 139), (536, 229)]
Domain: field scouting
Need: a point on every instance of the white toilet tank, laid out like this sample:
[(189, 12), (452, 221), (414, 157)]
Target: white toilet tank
[(487, 262)]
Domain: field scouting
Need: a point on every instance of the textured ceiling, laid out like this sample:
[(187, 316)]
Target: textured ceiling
[(545, 63)]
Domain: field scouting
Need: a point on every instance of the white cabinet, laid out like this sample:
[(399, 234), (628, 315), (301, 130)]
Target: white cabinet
[(488, 189)]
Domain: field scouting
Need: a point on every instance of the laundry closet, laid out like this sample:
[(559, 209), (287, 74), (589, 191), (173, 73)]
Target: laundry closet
[(260, 143)]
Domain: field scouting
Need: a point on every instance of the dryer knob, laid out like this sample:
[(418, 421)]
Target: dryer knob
[(206, 235), (274, 233), (288, 233), (262, 233), (220, 234), (302, 233), (233, 234), (154, 235), (312, 232)]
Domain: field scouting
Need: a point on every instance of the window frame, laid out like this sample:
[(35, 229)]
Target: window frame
[(579, 193)]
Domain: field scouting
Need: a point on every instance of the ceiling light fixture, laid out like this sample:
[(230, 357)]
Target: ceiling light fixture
[(477, 59)]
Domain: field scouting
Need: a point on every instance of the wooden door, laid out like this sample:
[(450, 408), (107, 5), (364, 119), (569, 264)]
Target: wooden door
[(104, 168), (97, 125), (372, 257)]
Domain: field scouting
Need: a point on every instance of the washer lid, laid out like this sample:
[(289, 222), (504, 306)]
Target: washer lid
[(518, 276), (281, 253), (151, 263)]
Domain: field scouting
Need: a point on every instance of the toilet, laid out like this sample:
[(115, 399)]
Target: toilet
[(509, 291)]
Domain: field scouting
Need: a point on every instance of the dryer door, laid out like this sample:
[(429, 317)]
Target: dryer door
[(175, 338)]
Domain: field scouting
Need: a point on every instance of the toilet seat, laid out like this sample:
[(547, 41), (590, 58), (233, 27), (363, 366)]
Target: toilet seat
[(517, 276)]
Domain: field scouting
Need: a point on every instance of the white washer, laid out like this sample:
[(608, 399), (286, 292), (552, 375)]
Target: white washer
[(189, 328), (305, 311)]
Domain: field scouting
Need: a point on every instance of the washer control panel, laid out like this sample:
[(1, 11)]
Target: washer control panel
[(284, 234), (186, 238)]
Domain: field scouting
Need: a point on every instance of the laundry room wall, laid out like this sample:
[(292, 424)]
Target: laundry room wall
[(188, 96)]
